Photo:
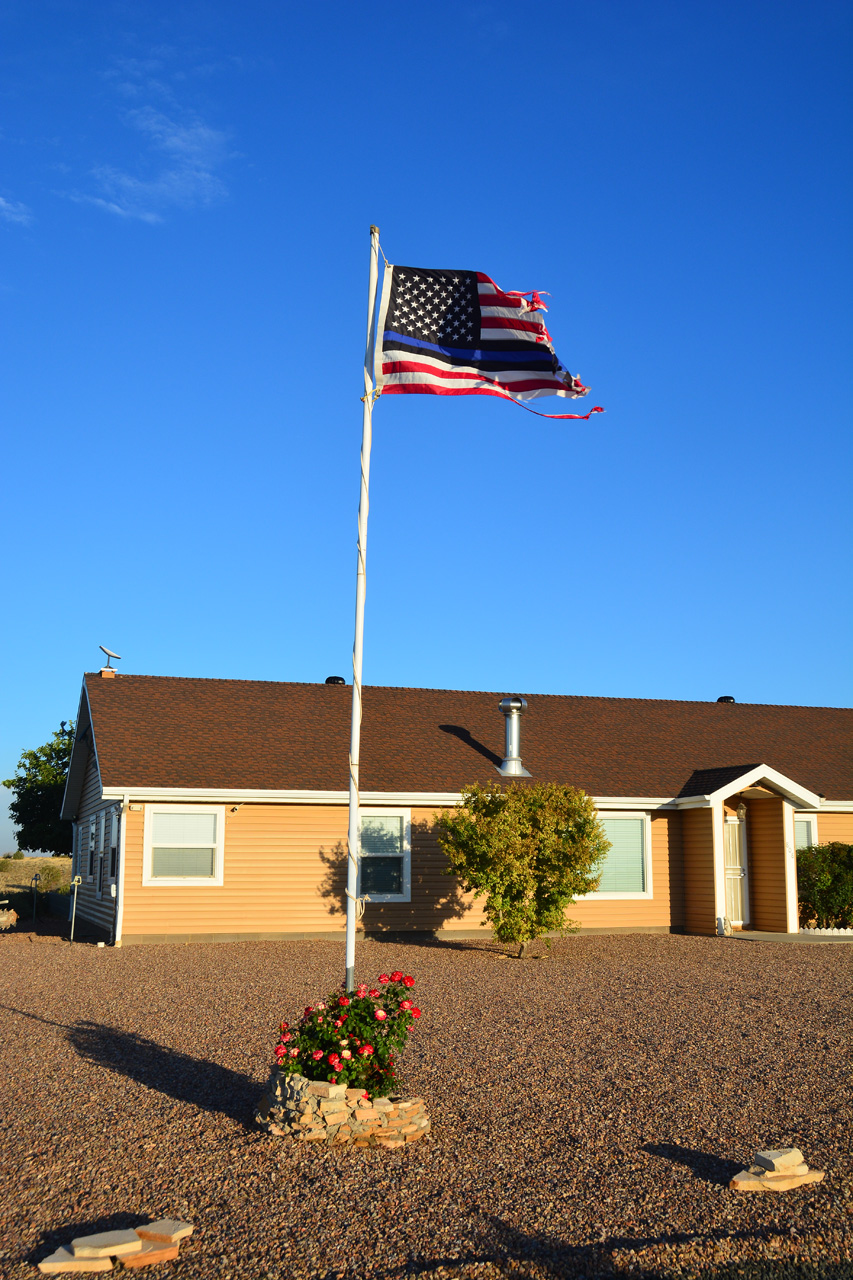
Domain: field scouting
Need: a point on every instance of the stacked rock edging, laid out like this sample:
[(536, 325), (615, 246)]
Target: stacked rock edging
[(314, 1111), (776, 1171)]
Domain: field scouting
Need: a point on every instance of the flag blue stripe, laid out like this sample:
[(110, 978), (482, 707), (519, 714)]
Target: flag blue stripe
[(466, 354)]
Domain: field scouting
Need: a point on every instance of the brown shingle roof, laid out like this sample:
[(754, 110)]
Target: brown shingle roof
[(160, 731)]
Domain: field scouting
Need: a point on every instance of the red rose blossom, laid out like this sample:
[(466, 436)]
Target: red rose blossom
[(374, 991), (366, 1049), (397, 975), (416, 1013), (317, 1055), (284, 1026), (294, 1053), (383, 977), (408, 981), (405, 1004), (380, 1015), (361, 989)]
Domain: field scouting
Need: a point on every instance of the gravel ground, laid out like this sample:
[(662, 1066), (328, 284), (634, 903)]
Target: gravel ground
[(588, 1108)]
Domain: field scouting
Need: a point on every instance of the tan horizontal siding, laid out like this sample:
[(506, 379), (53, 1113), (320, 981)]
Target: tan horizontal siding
[(835, 826), (697, 835), (765, 834), (285, 871)]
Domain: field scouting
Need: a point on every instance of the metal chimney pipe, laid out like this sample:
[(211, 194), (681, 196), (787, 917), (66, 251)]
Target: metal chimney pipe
[(512, 708)]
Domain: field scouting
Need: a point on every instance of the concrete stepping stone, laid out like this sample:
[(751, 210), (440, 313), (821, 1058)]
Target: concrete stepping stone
[(780, 1170), (63, 1261), (152, 1251), (165, 1230), (106, 1244)]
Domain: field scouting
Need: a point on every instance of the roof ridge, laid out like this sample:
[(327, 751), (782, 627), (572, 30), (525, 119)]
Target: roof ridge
[(403, 688)]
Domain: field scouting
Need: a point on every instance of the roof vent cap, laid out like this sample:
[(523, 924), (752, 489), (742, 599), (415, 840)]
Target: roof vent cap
[(513, 707), (727, 697), (335, 680)]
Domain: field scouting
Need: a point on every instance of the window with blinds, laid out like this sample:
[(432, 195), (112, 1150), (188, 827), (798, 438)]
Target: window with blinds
[(184, 845), (624, 869), (805, 832), (384, 848)]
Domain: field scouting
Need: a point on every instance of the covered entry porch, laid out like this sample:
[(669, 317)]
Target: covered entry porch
[(739, 849)]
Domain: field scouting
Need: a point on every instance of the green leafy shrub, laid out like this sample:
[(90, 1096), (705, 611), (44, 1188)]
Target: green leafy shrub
[(19, 857), (350, 1037), (528, 850), (5, 865), (825, 885), (51, 878)]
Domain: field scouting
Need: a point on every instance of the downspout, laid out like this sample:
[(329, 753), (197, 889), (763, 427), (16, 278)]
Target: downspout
[(122, 842)]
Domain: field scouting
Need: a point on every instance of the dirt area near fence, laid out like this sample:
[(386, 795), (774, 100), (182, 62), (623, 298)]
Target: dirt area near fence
[(588, 1110)]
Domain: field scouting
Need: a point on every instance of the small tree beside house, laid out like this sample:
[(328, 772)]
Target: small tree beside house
[(529, 850), (39, 785)]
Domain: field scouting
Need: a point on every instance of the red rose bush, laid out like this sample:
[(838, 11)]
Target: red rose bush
[(350, 1038)]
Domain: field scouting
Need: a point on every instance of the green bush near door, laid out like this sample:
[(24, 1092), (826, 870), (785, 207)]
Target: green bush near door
[(825, 885)]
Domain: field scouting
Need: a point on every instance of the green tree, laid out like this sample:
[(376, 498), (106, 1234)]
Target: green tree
[(528, 849), (39, 785)]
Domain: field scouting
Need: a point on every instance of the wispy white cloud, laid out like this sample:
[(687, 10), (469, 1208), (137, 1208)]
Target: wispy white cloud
[(14, 211), (180, 163), (193, 152)]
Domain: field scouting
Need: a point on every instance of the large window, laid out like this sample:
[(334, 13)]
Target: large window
[(385, 855), (627, 868), (183, 845)]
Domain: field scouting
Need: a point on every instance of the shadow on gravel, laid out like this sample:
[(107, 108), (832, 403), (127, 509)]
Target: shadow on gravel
[(708, 1168), (507, 1247), (202, 1083)]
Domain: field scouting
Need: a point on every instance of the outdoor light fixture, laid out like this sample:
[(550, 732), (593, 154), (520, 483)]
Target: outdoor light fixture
[(741, 812)]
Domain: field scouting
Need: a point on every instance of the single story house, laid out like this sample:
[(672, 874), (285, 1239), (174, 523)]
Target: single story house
[(217, 809)]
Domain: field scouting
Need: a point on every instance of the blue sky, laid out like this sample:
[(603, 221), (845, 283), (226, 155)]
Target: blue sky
[(185, 197)]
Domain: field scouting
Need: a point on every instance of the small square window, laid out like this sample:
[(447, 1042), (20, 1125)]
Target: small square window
[(183, 845), (805, 831)]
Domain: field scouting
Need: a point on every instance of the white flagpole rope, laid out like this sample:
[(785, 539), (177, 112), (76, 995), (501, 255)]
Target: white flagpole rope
[(355, 905)]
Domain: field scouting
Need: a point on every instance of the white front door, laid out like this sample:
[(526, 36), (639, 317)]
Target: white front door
[(737, 890)]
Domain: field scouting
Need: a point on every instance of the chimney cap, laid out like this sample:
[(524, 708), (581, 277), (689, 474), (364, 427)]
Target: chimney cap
[(514, 702), (727, 697), (335, 680)]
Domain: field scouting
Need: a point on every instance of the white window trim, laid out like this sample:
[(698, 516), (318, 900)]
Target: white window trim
[(811, 818), (184, 882), (91, 859), (648, 892), (115, 829), (406, 815)]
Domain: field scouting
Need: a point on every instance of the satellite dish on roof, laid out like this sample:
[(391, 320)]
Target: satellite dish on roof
[(109, 654)]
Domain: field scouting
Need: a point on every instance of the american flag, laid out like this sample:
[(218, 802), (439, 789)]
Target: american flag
[(455, 333)]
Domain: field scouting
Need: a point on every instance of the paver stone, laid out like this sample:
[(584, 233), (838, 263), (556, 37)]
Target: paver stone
[(166, 1230), (63, 1261), (106, 1244)]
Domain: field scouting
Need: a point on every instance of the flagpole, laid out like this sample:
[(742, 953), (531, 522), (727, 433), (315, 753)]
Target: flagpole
[(360, 590)]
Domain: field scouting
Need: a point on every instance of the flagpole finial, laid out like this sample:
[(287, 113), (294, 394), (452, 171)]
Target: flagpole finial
[(374, 229)]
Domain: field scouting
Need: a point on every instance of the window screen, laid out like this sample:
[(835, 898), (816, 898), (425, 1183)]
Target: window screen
[(624, 869), (183, 846)]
